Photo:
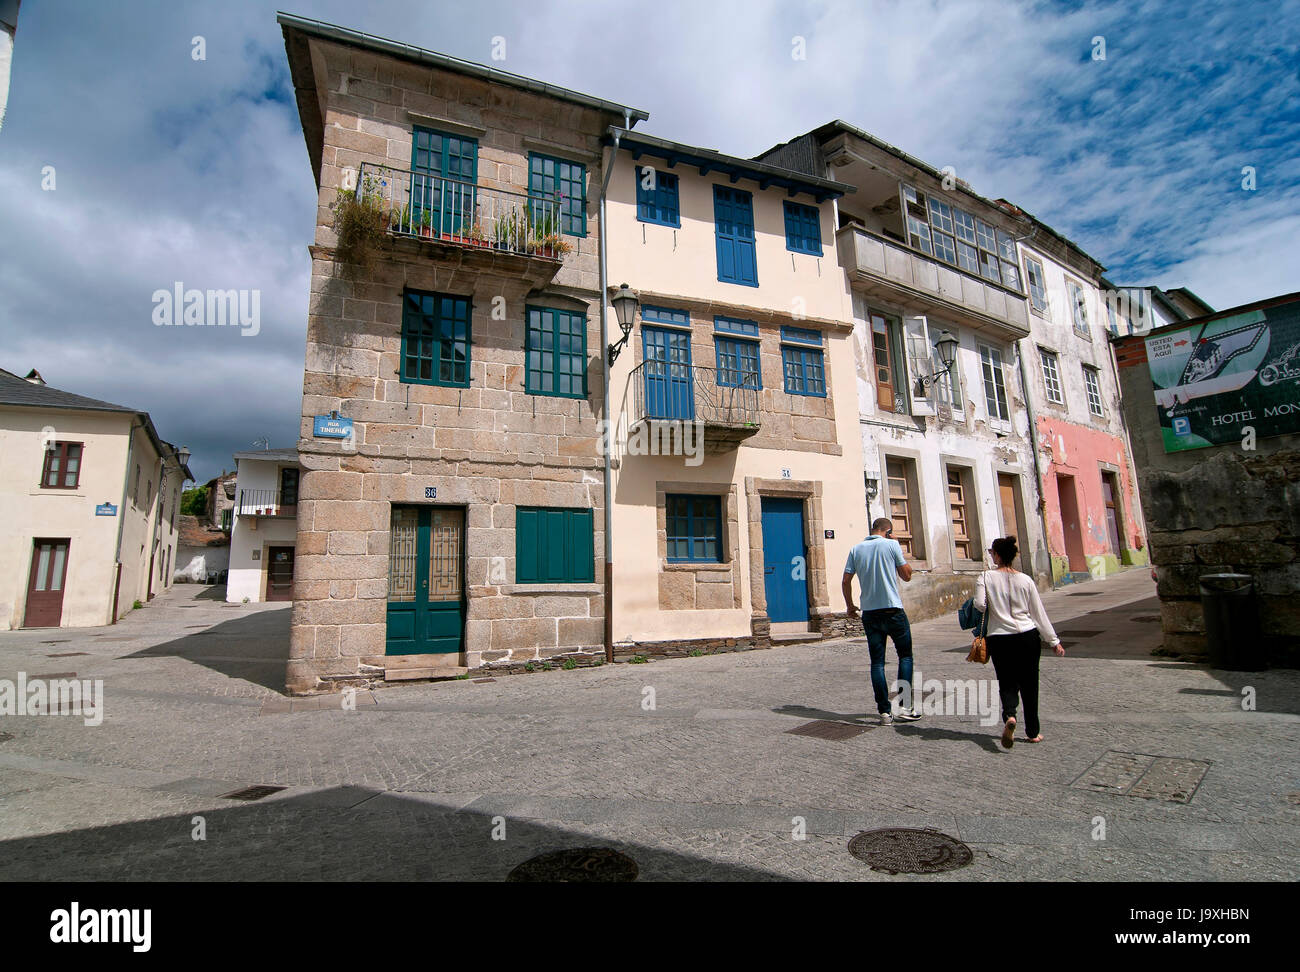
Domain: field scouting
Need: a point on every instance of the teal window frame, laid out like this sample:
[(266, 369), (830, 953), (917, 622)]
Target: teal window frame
[(693, 524), (549, 347), (803, 363), (554, 178), (554, 545), (434, 327)]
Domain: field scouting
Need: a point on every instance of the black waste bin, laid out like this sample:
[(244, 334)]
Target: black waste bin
[(1231, 622)]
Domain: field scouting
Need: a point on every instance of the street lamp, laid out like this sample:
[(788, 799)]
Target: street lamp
[(183, 455), (626, 303), (947, 348)]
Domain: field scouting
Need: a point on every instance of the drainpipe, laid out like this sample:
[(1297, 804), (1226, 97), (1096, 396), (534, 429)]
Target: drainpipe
[(1033, 446), (121, 519), (604, 375)]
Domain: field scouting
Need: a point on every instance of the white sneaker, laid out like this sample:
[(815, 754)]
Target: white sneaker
[(908, 715), (886, 719)]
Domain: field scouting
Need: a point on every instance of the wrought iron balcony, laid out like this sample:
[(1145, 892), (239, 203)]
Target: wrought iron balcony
[(267, 502), (724, 404), (464, 214)]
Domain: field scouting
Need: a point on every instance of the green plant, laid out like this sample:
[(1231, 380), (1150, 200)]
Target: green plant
[(136, 606), (569, 664), (463, 675), (638, 660), (529, 667), (696, 652), (194, 502), (361, 225), (546, 666), (597, 662)]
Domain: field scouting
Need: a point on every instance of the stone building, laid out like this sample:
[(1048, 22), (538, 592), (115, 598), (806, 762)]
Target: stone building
[(460, 519), (735, 533), (1213, 410)]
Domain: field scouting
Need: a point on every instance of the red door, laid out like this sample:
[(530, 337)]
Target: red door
[(279, 574), (45, 584)]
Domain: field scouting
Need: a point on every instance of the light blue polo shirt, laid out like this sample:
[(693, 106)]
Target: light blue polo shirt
[(874, 561)]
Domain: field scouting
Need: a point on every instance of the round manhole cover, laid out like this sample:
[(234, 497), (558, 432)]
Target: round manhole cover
[(577, 864), (902, 850)]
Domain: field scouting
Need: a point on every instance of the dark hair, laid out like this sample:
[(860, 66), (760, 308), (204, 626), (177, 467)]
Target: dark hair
[(882, 524), (1005, 548)]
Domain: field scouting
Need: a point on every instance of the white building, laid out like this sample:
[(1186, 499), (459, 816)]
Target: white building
[(90, 495), (264, 529)]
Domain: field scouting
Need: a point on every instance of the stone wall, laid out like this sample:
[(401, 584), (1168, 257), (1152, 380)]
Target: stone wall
[(1215, 510)]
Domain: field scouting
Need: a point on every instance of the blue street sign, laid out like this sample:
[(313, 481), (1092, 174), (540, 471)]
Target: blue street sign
[(106, 509), (329, 427)]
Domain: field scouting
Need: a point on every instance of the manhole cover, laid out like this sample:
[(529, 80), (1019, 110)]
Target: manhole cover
[(1078, 634), (1145, 776), (904, 850), (6, 736), (577, 864), (252, 793), (825, 729), (65, 654)]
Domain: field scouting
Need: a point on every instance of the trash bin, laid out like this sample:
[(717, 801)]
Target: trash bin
[(1231, 622)]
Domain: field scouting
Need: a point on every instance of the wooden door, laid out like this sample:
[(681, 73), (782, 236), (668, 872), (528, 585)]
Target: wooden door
[(45, 583), (279, 573)]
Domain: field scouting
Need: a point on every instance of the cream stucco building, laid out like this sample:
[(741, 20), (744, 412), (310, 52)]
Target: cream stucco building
[(736, 493), (264, 526), (91, 495)]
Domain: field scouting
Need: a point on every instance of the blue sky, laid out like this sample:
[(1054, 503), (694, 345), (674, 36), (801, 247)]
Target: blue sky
[(170, 169)]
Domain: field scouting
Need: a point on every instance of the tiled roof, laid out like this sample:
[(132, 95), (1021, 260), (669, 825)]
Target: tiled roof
[(194, 533), (19, 391)]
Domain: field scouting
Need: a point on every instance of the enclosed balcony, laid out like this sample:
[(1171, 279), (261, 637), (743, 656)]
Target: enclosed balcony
[(472, 220), (723, 405), (267, 502), (904, 277)]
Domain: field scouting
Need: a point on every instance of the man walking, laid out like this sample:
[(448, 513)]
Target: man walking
[(878, 563)]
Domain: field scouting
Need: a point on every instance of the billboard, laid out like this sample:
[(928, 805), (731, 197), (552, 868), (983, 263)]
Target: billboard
[(1217, 381)]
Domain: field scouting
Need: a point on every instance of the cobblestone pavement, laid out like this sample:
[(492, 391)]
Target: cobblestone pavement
[(417, 780)]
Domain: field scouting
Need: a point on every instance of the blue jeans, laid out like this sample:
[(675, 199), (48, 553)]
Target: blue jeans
[(879, 625)]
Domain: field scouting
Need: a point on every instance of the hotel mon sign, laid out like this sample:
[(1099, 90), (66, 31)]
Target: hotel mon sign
[(1217, 381)]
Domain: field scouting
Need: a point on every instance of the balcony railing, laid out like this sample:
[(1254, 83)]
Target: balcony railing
[(464, 214), (266, 502), (725, 402), (908, 278)]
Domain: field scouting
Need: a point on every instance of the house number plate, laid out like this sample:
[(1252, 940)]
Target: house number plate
[(431, 492)]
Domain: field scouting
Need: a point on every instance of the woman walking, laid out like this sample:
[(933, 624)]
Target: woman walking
[(1015, 623)]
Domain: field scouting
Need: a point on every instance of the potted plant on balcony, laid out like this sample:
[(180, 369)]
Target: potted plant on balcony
[(425, 223), (361, 224), (477, 236)]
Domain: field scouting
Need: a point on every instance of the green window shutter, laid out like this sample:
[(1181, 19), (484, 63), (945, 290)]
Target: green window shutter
[(581, 537), (554, 546), (527, 568)]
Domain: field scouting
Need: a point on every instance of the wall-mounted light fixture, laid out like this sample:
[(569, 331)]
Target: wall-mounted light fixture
[(947, 348), (626, 304)]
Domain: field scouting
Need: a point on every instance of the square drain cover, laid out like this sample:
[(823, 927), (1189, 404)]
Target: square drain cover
[(1145, 776), (252, 793), (826, 729)]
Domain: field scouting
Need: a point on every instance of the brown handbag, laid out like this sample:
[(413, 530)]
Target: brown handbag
[(979, 649)]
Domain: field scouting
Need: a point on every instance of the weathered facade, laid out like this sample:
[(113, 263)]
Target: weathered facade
[(1230, 507), (467, 358)]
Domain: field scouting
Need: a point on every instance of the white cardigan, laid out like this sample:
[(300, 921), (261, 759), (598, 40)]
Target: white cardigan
[(1012, 605)]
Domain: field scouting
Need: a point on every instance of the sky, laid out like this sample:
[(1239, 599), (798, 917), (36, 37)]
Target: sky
[(127, 165)]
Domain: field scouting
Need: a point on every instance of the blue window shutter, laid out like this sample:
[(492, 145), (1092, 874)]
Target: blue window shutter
[(733, 214)]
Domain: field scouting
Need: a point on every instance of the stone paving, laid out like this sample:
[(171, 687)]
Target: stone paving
[(416, 780)]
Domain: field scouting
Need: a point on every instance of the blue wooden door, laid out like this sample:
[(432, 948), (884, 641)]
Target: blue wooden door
[(669, 386), (426, 606), (785, 561)]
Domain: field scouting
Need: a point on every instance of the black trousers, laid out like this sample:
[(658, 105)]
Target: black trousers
[(1015, 660)]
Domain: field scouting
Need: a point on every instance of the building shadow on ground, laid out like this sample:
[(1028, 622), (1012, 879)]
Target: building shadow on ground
[(980, 736), (808, 712), (340, 834), (254, 648)]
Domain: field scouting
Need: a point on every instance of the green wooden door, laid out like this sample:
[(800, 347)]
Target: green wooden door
[(426, 603)]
